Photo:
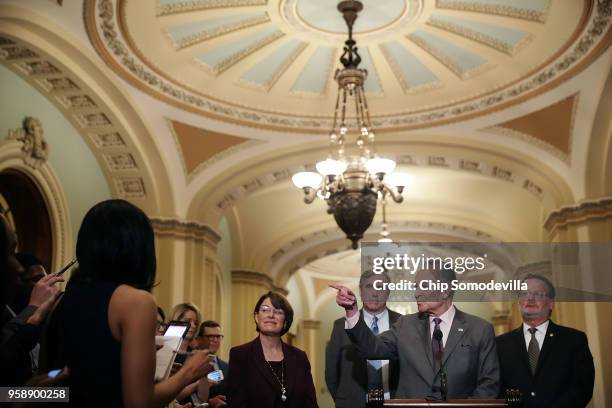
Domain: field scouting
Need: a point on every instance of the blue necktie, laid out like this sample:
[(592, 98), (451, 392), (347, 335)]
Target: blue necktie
[(375, 363)]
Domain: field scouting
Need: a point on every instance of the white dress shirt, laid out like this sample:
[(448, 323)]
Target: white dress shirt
[(445, 325), (540, 333)]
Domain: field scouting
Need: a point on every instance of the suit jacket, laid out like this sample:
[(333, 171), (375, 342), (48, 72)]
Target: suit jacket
[(346, 368), (564, 375), (469, 357), (17, 338), (252, 383)]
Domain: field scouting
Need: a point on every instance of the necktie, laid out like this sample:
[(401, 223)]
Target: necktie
[(436, 344), (533, 350), (374, 327)]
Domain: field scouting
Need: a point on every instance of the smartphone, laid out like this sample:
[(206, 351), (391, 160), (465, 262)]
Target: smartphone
[(54, 373), (215, 376), (177, 329)]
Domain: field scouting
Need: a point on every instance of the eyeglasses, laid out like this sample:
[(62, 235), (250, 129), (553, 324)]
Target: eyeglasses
[(190, 321), (267, 309), (214, 336), (523, 295)]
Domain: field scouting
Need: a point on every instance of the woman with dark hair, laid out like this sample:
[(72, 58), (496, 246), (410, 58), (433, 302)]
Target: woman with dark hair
[(107, 316), (267, 372)]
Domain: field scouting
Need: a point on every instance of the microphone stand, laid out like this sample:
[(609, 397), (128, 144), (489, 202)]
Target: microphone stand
[(443, 384)]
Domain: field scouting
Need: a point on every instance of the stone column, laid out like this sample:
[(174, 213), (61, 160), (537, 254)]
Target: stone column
[(308, 336), (501, 321), (588, 221), (187, 267)]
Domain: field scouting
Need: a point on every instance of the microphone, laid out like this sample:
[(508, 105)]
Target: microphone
[(437, 335)]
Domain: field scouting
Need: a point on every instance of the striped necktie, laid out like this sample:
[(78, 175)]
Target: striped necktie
[(533, 350), (436, 344), (374, 327)]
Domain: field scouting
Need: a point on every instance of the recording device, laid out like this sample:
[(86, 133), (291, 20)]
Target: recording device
[(65, 268), (177, 329), (215, 376)]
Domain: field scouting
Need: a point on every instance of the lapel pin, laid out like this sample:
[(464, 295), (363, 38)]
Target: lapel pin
[(459, 329), (551, 334)]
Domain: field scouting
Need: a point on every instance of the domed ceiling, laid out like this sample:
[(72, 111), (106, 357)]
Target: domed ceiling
[(270, 63)]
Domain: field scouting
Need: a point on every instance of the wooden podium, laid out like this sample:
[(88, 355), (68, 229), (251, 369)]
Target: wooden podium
[(376, 400), (474, 403)]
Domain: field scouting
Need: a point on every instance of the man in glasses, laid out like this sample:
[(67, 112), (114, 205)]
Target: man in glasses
[(551, 365), (210, 337)]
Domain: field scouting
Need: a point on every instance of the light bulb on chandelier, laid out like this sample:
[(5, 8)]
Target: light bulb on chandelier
[(352, 183)]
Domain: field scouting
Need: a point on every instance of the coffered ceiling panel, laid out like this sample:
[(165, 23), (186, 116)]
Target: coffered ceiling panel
[(270, 63)]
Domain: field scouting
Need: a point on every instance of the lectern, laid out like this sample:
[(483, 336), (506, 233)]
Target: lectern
[(376, 400)]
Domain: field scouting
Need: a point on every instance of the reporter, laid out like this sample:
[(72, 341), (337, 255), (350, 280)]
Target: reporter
[(19, 333), (108, 301)]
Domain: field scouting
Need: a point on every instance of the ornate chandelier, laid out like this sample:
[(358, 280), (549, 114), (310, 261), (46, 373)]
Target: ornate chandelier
[(353, 177)]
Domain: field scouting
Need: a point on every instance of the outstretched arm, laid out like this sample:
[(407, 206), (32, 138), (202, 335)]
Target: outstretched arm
[(382, 347)]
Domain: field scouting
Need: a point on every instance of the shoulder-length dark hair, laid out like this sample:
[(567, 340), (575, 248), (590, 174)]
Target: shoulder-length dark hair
[(116, 243), (279, 302)]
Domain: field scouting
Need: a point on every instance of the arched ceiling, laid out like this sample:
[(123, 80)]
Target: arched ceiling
[(270, 63)]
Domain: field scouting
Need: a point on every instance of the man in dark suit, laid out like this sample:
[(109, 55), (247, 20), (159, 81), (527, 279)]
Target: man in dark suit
[(209, 337), (439, 349), (550, 364), (348, 374)]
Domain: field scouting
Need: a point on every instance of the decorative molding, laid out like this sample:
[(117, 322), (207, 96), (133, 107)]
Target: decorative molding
[(403, 81), (15, 52), (447, 61), (498, 9), (481, 37), (579, 214), (130, 187), (193, 5), (327, 74), (180, 43), (252, 278), (484, 168), (584, 45), (189, 176), (185, 229), (33, 146), (11, 156), (272, 79), (121, 161), (58, 85), (310, 324), (236, 57), (105, 140), (76, 102), (38, 67), (89, 120), (547, 147)]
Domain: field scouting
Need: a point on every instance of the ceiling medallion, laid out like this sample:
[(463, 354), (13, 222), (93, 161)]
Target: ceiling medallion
[(352, 178)]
